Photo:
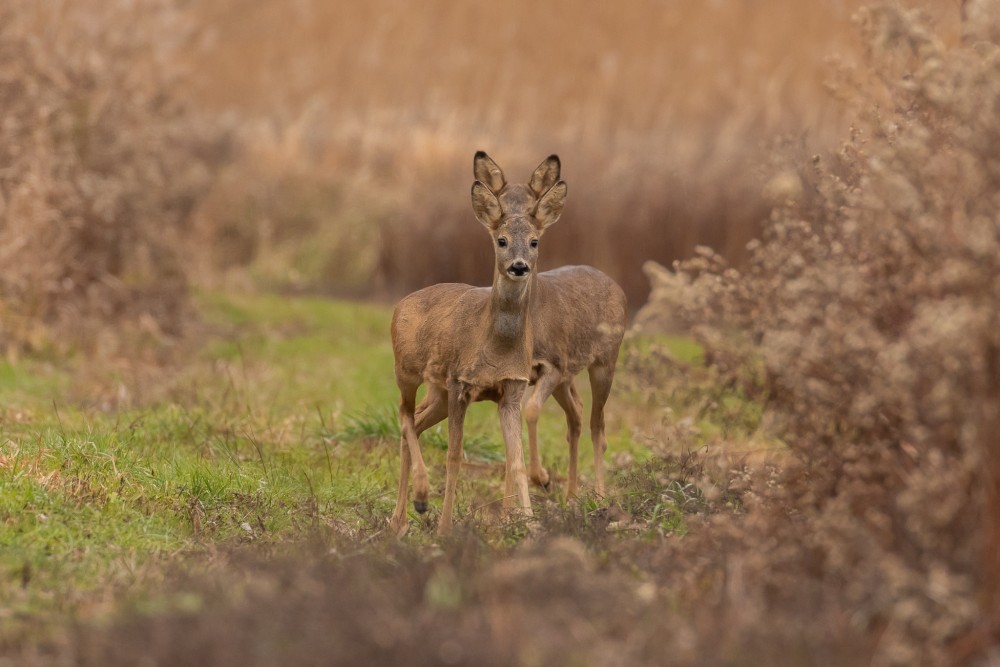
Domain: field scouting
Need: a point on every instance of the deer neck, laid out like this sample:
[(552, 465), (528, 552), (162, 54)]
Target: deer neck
[(509, 310)]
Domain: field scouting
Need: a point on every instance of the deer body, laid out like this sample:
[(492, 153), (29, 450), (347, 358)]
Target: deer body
[(470, 334), (578, 321), (578, 316), (468, 343), (579, 324)]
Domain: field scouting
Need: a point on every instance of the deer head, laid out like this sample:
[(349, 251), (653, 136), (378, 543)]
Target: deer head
[(516, 216)]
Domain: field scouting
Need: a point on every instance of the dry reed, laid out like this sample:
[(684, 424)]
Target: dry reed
[(663, 114)]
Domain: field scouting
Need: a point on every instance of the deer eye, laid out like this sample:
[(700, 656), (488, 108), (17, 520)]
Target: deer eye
[(502, 242), (534, 243)]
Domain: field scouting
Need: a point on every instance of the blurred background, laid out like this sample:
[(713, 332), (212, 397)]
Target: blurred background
[(323, 147)]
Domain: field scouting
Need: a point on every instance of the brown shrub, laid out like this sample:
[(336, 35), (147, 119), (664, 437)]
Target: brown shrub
[(101, 168), (873, 299)]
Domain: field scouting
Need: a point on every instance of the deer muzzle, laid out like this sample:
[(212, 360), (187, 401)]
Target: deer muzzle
[(518, 270)]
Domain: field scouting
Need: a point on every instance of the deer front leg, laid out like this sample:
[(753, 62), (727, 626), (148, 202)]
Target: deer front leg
[(458, 403), (516, 481)]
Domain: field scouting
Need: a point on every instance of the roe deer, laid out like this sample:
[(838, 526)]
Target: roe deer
[(473, 343), (583, 327), (578, 318)]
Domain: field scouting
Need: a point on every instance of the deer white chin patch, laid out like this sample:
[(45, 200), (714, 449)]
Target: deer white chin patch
[(518, 278)]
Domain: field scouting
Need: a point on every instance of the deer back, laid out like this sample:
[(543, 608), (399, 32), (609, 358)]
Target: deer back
[(579, 316)]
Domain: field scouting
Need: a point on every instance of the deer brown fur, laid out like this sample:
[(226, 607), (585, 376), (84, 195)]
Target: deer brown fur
[(579, 316), (474, 343), (581, 322)]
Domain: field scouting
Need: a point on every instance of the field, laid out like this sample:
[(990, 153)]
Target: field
[(273, 452), (208, 209)]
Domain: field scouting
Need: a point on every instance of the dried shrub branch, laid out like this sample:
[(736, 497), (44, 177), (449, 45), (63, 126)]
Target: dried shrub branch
[(101, 168), (873, 298)]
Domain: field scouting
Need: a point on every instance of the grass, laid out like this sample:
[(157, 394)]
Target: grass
[(240, 454), (28, 384), (280, 428)]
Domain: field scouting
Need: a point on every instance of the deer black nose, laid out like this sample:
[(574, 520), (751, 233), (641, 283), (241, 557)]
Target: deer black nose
[(519, 268)]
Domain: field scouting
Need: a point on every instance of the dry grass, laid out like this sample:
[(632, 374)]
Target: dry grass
[(663, 114), (354, 126), (548, 602)]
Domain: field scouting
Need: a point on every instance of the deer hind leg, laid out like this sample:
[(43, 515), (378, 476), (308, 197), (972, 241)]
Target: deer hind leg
[(565, 394), (516, 480), (547, 381), (432, 410), (458, 403), (408, 445), (398, 523), (601, 378)]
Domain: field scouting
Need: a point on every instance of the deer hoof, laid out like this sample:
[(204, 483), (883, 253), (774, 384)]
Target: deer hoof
[(543, 480), (420, 506), (398, 525)]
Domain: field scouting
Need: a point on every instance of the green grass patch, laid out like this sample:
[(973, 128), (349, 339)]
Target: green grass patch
[(671, 375), (281, 427)]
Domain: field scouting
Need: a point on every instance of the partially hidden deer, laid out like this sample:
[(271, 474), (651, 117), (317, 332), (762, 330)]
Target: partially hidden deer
[(473, 343), (578, 318), (584, 323)]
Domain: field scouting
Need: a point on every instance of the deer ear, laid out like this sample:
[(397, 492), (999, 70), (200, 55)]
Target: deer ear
[(488, 172), (550, 206), (486, 205), (545, 175)]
